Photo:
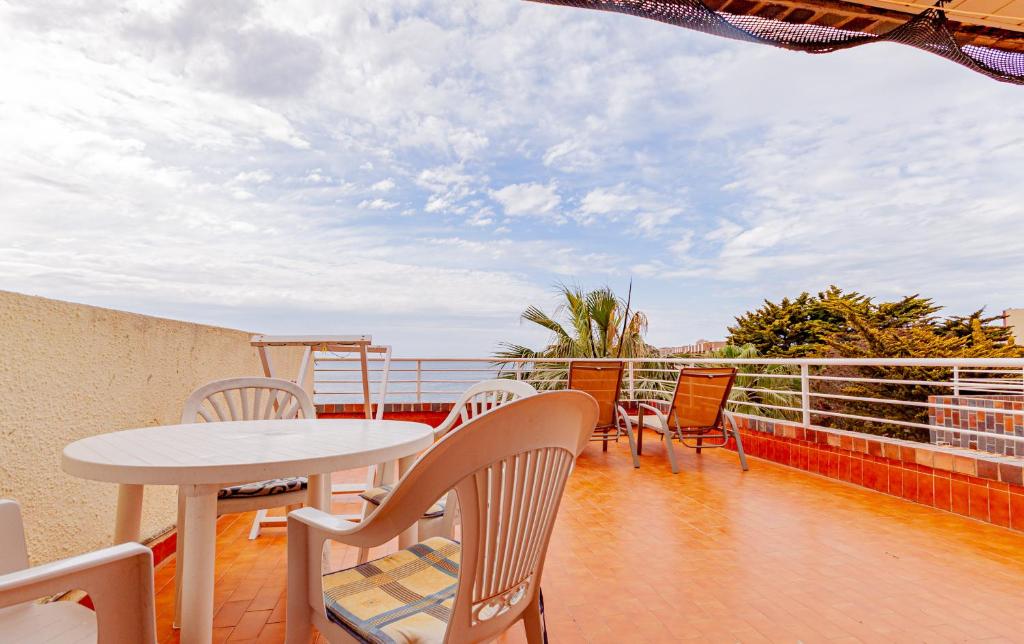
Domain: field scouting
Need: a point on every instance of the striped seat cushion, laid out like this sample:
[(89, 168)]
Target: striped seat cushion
[(403, 598), (377, 495), (263, 488)]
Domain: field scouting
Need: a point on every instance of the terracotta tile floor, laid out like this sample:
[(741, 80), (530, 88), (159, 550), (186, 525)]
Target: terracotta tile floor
[(710, 555)]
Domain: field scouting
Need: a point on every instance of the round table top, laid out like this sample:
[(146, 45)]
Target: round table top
[(238, 451)]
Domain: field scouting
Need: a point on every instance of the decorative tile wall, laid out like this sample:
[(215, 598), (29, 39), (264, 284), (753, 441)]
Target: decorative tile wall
[(989, 416)]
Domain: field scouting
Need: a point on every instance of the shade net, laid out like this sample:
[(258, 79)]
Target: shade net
[(929, 31)]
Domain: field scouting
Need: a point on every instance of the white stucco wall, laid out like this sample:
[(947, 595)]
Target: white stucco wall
[(68, 371), (1014, 318)]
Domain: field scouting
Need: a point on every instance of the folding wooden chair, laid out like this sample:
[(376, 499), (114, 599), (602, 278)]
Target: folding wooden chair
[(603, 381), (696, 413)]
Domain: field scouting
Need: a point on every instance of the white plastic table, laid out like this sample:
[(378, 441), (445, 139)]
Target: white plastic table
[(202, 458)]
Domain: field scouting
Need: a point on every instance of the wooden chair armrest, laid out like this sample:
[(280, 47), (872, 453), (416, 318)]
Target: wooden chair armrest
[(118, 580)]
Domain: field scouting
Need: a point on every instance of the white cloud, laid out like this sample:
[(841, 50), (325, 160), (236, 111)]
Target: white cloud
[(254, 176), (377, 204), (651, 212), (528, 198), (202, 156)]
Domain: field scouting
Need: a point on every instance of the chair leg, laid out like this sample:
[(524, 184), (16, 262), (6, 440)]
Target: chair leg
[(671, 452), (632, 446), (700, 442), (739, 444), (533, 624), (179, 558), (364, 553), (257, 523)]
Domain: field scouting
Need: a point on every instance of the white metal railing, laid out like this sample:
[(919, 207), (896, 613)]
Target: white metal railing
[(818, 392)]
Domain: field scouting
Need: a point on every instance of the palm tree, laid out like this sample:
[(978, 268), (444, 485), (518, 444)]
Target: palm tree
[(588, 324)]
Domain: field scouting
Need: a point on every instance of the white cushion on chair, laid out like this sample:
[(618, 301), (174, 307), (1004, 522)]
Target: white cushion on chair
[(377, 495)]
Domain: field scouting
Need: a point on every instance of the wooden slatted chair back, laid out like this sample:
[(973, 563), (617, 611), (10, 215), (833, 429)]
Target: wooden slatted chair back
[(603, 381), (247, 399), (700, 397)]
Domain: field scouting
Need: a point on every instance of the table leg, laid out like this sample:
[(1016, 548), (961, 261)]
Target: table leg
[(640, 432), (318, 495), (197, 572), (411, 534), (318, 492), (128, 526)]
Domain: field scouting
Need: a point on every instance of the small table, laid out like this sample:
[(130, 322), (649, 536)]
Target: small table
[(202, 458)]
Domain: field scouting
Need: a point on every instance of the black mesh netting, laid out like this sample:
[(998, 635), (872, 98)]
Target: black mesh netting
[(928, 31)]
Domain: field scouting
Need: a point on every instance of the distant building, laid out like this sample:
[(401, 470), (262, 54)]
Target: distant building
[(1014, 318), (699, 347)]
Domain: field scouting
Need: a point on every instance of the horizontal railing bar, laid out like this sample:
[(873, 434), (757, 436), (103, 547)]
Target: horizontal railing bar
[(782, 392), (861, 362), (914, 403), (904, 423)]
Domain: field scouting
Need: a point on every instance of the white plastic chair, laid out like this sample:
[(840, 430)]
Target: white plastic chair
[(251, 398), (479, 399), (508, 468), (118, 580)]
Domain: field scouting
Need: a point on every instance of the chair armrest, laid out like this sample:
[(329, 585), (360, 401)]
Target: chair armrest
[(13, 553), (446, 425), (623, 416), (118, 580), (323, 525), (660, 415), (324, 522)]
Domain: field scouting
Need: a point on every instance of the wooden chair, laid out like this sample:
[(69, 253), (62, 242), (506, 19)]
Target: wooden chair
[(480, 398), (251, 398), (603, 381), (508, 468), (696, 412), (118, 580)]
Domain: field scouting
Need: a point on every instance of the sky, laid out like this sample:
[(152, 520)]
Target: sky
[(425, 170)]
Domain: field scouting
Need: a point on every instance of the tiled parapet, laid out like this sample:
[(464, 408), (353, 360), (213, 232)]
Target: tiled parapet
[(389, 408), (987, 414), (983, 486), (431, 413)]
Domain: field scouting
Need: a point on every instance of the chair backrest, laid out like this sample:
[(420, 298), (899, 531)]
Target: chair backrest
[(247, 399), (481, 398), (13, 553), (508, 468), (700, 397), (602, 380)]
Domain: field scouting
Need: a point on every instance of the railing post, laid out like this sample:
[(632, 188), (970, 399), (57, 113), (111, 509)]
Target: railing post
[(805, 393), (956, 380), (519, 371), (419, 381), (630, 381)]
